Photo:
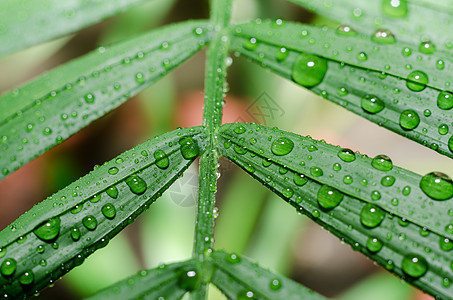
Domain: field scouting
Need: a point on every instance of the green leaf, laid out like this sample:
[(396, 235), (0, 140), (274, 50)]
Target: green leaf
[(165, 281), (372, 205), (239, 278), (370, 79), (56, 105), (24, 23), (60, 232), (412, 21)]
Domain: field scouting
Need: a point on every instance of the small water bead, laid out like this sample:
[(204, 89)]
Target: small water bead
[(414, 265), (362, 56), (240, 149), (371, 216), (112, 192), (346, 30), (388, 180), (446, 282), (49, 230), (383, 36), (240, 129), (409, 119), (287, 193), (382, 162), (445, 244), (90, 222), (329, 197), (43, 263), (427, 47), (375, 195), (374, 244), (282, 146), (343, 91), (8, 267), (437, 186), (162, 160), (113, 170), (77, 209), (95, 198), (245, 295), (136, 184), (282, 54), (406, 190), (395, 201), (309, 70), (417, 81), (336, 167), (440, 64), (89, 98), (403, 222), (372, 104), (316, 172), (26, 278), (250, 44), (450, 143), (395, 8), (443, 129), (346, 155), (189, 148), (109, 211), (427, 113), (189, 280), (445, 100), (347, 179), (2, 252), (300, 179), (233, 258), (406, 51), (75, 234), (275, 284), (47, 131)]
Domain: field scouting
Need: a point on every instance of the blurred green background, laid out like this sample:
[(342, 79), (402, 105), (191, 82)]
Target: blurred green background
[(251, 220)]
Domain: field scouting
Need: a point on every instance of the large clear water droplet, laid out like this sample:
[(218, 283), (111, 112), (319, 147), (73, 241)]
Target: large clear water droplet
[(329, 197), (417, 81), (49, 230), (309, 70), (437, 186), (445, 244), (136, 184), (162, 160), (346, 155), (382, 162), (372, 104), (90, 222), (371, 216), (409, 119), (282, 146), (8, 267), (189, 148), (445, 100), (414, 265), (27, 278), (112, 192), (109, 211)]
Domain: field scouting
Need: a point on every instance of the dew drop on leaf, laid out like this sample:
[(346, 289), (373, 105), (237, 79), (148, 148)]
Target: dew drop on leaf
[(445, 244), (346, 155), (409, 119), (233, 258), (374, 244), (8, 267), (443, 129), (346, 30), (414, 265), (162, 160), (240, 129), (445, 100), (347, 179), (90, 222), (89, 98), (245, 295), (362, 56), (140, 78), (136, 184), (49, 230), (383, 36), (282, 146), (275, 284), (250, 44), (382, 162), (189, 280), (395, 8), (189, 148), (77, 209), (2, 252), (388, 180), (427, 47), (450, 143), (112, 192), (437, 186), (75, 234), (316, 172), (282, 54), (300, 179), (371, 216), (309, 70), (329, 197), (113, 170), (26, 278), (109, 211), (417, 81), (372, 104)]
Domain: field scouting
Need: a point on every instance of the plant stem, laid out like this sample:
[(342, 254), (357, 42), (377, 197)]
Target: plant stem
[(212, 119)]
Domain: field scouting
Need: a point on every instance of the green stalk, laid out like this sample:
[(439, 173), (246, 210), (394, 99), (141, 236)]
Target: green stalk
[(212, 119)]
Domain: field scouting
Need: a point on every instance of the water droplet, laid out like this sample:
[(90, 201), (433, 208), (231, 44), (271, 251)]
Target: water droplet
[(395, 201), (2, 252), (316, 172), (407, 51), (112, 192), (329, 197), (89, 98), (245, 295), (445, 100), (409, 119), (445, 244), (450, 143), (189, 148), (406, 190), (90, 222), (77, 209), (282, 146), (382, 162), (95, 198), (136, 184), (374, 244), (336, 167), (287, 193), (383, 36), (347, 179), (414, 265), (250, 44), (113, 170), (427, 47), (275, 284), (437, 186), (140, 78), (362, 56), (372, 104), (240, 129), (346, 30), (346, 155), (75, 233), (109, 211), (388, 180), (189, 280), (395, 8), (47, 131), (282, 54), (417, 81), (8, 266), (43, 263), (240, 150), (375, 195), (309, 70), (49, 230), (26, 278), (300, 179), (162, 160), (371, 216), (233, 258)]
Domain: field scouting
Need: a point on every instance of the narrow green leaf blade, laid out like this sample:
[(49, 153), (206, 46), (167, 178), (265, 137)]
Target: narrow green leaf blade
[(56, 105), (412, 21), (381, 88), (240, 278), (24, 23), (165, 281), (60, 232), (383, 214)]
